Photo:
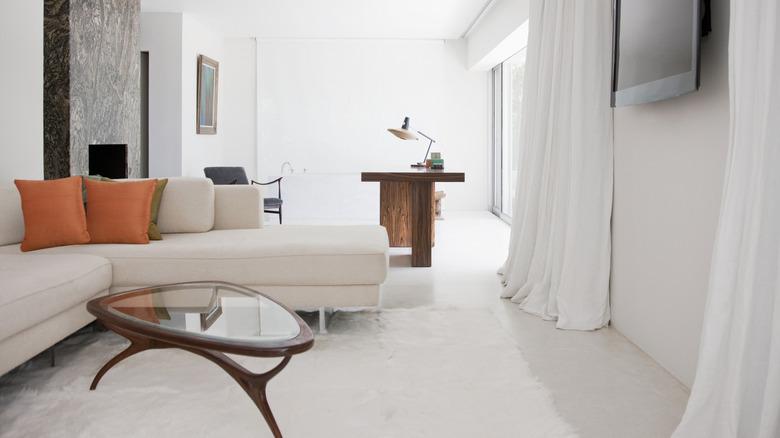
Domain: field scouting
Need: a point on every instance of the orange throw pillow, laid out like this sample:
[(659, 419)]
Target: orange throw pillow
[(119, 212), (53, 213)]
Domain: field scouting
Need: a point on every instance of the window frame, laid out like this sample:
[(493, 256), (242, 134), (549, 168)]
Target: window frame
[(497, 134), (500, 110)]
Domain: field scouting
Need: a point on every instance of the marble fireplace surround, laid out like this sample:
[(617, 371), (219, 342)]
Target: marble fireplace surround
[(91, 82)]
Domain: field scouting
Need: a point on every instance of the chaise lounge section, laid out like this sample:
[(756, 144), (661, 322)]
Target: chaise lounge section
[(209, 233)]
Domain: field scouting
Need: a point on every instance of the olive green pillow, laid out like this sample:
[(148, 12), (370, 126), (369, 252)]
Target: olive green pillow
[(154, 232)]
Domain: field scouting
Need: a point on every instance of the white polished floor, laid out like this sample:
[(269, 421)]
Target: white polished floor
[(602, 384)]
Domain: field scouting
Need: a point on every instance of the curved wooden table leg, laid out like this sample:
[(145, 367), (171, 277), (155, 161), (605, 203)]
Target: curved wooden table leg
[(253, 384), (127, 352), (258, 395)]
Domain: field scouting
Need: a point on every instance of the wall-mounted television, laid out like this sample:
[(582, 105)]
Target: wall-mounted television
[(656, 53)]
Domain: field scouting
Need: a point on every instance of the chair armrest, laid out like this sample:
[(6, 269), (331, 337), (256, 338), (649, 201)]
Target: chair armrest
[(269, 182), (277, 180), (238, 207)]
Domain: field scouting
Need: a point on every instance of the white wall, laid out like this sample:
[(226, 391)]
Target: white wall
[(174, 41), (21, 88), (325, 106), (199, 150), (498, 34), (669, 168), (161, 36), (238, 104)]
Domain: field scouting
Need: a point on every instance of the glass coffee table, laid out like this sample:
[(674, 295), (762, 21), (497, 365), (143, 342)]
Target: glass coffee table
[(208, 319)]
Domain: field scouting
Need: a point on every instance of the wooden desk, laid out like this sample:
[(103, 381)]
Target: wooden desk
[(406, 207)]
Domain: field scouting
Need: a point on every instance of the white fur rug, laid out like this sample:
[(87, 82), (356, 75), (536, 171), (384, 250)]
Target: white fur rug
[(394, 373)]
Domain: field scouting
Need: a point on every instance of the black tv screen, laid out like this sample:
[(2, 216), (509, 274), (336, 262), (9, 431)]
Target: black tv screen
[(656, 50)]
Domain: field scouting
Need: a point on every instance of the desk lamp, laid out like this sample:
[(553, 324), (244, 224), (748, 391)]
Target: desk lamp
[(405, 134)]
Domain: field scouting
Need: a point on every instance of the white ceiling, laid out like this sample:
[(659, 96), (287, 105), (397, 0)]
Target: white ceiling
[(412, 19)]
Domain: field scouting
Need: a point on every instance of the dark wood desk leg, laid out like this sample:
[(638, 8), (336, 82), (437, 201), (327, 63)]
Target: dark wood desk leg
[(395, 213), (422, 223)]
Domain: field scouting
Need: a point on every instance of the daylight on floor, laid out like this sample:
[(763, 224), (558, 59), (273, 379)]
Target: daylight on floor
[(389, 219)]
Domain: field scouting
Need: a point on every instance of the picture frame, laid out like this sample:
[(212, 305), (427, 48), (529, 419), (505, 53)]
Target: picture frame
[(207, 94)]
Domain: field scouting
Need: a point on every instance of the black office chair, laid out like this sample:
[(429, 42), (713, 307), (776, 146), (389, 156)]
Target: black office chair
[(237, 175)]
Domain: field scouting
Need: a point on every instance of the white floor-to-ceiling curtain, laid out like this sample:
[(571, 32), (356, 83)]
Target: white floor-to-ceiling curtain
[(559, 258), (737, 388)]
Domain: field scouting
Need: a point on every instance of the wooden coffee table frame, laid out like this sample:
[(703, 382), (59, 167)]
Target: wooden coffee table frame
[(147, 336)]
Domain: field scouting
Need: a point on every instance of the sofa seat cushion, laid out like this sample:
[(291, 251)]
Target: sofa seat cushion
[(286, 255), (36, 286)]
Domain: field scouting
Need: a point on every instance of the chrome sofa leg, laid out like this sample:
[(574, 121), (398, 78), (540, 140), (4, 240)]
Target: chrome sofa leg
[(323, 321)]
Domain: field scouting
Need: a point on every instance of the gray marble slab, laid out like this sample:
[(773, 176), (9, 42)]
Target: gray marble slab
[(91, 82)]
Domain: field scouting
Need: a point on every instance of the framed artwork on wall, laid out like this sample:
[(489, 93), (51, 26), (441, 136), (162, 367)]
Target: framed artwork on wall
[(208, 76)]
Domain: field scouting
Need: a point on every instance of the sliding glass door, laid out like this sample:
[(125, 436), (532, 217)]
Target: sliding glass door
[(507, 106)]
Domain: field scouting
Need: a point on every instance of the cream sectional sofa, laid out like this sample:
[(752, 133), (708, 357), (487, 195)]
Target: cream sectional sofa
[(209, 233)]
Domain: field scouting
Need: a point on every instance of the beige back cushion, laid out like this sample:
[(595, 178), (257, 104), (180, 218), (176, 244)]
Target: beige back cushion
[(11, 219), (187, 206), (238, 207)]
